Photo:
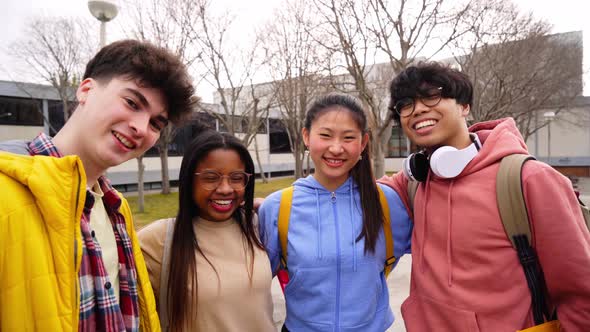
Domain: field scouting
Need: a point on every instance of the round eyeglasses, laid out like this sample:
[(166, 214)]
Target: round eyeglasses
[(210, 180), (406, 106)]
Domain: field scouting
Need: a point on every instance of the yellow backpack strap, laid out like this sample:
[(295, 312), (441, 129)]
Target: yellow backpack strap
[(284, 215), (389, 257)]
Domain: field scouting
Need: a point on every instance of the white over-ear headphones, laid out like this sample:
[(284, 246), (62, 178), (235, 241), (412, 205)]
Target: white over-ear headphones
[(446, 162)]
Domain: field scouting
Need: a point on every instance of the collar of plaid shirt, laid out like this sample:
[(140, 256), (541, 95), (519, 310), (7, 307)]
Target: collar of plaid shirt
[(99, 309)]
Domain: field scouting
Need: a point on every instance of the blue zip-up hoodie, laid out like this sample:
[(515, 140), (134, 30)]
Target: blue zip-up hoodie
[(334, 285)]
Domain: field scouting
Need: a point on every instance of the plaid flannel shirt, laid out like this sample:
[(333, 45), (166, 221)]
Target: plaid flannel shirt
[(99, 310)]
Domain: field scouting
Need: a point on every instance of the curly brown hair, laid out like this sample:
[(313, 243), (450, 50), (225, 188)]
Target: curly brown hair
[(150, 66)]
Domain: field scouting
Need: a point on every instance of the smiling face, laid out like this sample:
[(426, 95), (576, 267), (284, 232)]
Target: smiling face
[(335, 143), (118, 120), (441, 125), (220, 203)]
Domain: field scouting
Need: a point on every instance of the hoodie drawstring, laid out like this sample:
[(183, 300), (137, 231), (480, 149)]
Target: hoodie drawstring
[(352, 230), (449, 230), (422, 236), (318, 221), (450, 225)]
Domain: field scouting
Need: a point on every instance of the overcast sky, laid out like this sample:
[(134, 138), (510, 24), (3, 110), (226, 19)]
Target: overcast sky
[(565, 15)]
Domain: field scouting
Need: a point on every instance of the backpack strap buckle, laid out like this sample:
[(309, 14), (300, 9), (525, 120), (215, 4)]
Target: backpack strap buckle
[(389, 261)]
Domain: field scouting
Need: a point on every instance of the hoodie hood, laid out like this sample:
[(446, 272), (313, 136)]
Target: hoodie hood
[(499, 138), (310, 184)]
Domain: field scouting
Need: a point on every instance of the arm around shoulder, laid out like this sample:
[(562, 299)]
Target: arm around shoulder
[(399, 183), (268, 229), (401, 224)]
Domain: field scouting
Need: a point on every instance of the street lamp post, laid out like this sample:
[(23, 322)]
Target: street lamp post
[(104, 11), (549, 116)]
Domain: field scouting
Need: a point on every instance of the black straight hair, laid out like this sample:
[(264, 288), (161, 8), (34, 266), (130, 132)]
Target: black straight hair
[(184, 241), (362, 172)]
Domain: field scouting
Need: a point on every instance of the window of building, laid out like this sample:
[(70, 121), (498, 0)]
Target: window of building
[(184, 135), (261, 125), (21, 112), (278, 137), (56, 115), (205, 119), (152, 152), (397, 147), (237, 124), (182, 138)]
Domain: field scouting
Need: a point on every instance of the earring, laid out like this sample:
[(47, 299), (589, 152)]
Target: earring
[(361, 157)]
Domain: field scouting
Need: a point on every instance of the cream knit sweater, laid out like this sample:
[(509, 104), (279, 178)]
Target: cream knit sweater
[(227, 301)]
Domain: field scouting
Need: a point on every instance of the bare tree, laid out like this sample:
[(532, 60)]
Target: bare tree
[(229, 68), (401, 31), (258, 116), (517, 67), (55, 49), (140, 187), (295, 62), (167, 24)]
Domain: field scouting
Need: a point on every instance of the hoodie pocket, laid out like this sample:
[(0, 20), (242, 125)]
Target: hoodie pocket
[(362, 295), (310, 295), (425, 314)]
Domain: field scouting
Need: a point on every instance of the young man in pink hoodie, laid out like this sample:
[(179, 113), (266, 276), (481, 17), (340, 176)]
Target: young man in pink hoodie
[(466, 275)]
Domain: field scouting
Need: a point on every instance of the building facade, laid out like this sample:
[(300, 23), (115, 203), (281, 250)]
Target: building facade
[(561, 136)]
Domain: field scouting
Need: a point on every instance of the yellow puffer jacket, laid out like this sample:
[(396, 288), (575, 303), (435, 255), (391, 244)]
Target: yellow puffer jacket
[(41, 202)]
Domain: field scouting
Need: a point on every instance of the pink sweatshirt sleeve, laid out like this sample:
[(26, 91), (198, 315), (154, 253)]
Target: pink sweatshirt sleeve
[(399, 183), (562, 242)]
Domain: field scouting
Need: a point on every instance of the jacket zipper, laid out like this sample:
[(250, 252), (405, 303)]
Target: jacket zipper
[(76, 279), (338, 267)]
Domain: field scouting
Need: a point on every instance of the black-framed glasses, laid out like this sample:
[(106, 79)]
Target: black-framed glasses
[(210, 180), (406, 106)]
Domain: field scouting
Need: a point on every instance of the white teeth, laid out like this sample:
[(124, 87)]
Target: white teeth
[(220, 202), (424, 124), (334, 161), (123, 140)]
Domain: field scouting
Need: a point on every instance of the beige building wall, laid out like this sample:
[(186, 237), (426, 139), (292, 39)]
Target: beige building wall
[(19, 132), (570, 136)]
